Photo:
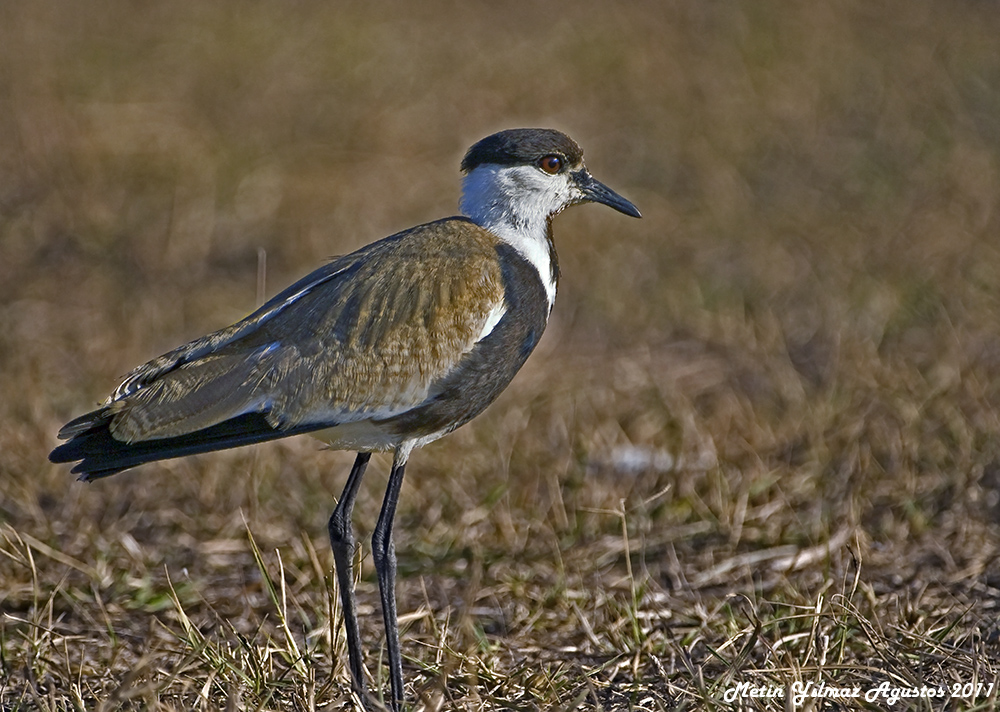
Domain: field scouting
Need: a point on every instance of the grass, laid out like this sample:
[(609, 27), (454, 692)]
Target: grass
[(758, 444)]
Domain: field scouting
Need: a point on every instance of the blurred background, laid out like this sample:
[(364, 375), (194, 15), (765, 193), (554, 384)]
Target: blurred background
[(796, 348)]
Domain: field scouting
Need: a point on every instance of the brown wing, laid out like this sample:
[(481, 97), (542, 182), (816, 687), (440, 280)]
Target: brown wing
[(367, 336)]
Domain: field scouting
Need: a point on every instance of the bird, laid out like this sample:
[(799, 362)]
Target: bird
[(385, 349)]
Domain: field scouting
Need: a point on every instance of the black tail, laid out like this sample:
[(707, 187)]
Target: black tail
[(100, 455)]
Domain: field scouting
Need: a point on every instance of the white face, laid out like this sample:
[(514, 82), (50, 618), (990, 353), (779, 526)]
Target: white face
[(518, 198), (515, 204)]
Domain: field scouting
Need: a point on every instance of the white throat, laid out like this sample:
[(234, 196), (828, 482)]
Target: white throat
[(515, 204)]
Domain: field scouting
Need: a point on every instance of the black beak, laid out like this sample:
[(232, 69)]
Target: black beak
[(595, 191)]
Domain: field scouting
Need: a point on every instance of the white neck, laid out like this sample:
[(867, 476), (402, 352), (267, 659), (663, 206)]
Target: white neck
[(515, 203)]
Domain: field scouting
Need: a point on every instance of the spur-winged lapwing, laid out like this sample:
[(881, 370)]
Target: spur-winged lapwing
[(388, 348)]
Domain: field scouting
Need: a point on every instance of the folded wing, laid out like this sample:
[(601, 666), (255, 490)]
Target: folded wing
[(369, 336)]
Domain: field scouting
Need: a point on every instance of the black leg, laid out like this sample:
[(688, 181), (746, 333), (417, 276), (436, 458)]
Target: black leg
[(343, 544), (384, 554)]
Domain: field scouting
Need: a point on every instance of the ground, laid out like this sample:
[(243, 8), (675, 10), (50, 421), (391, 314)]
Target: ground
[(754, 462)]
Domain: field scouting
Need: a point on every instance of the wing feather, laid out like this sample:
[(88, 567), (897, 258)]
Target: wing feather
[(367, 336)]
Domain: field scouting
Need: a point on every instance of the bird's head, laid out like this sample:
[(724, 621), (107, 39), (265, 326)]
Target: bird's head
[(520, 178)]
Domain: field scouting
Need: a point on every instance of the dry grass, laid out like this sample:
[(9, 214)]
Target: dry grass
[(759, 443)]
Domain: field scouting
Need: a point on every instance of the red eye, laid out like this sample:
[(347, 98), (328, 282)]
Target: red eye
[(551, 164)]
